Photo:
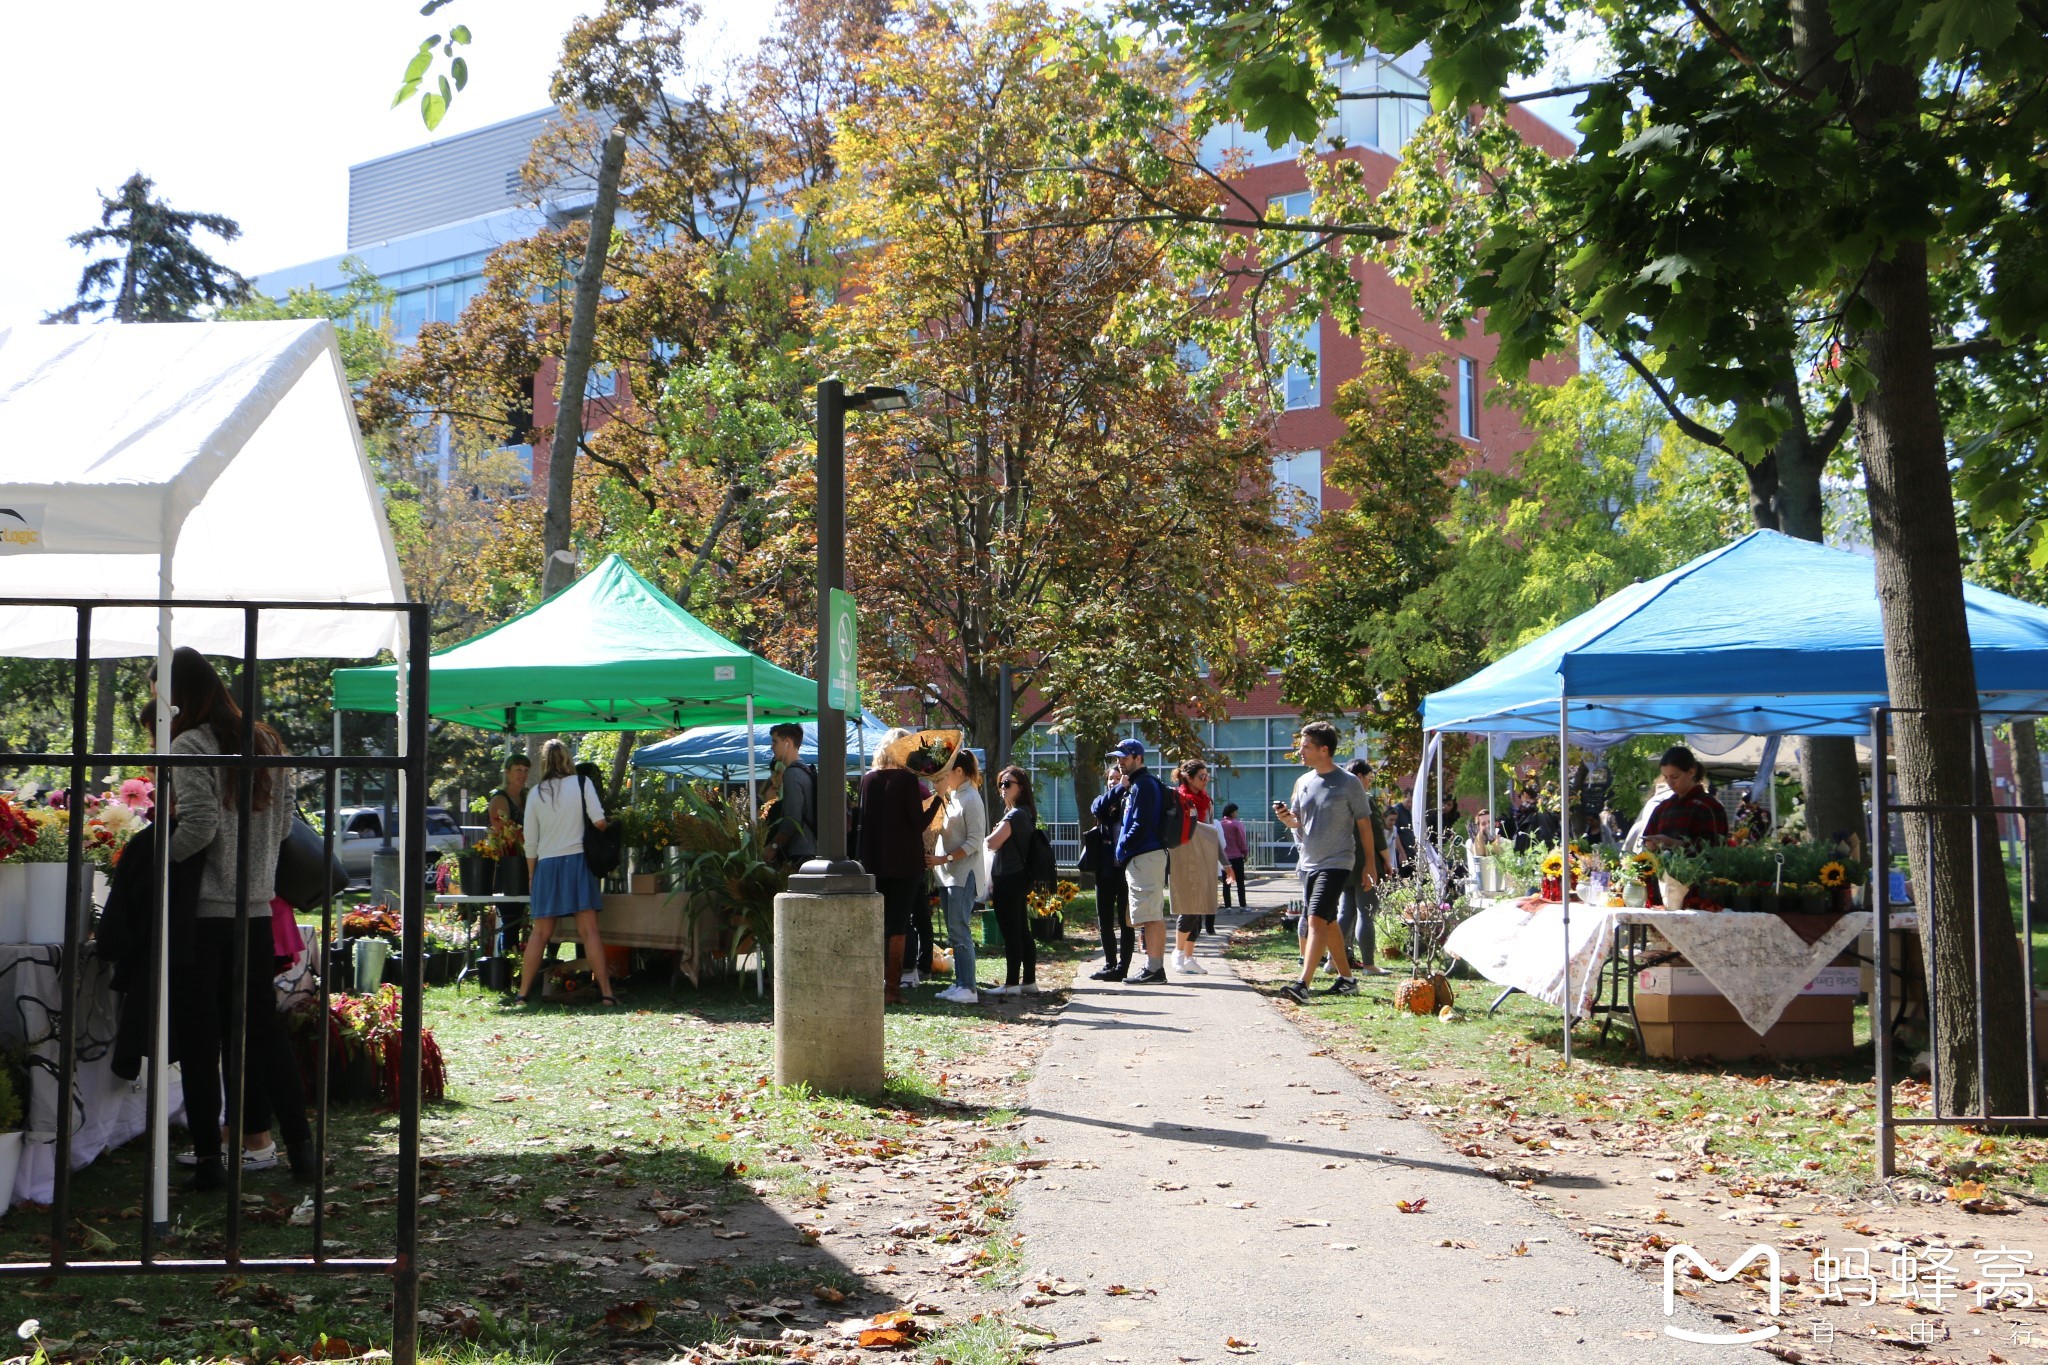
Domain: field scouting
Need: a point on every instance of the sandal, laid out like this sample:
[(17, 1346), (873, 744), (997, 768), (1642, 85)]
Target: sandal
[(607, 1000)]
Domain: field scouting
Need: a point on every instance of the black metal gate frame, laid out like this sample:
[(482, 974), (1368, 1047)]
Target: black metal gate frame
[(402, 1265), (1882, 809)]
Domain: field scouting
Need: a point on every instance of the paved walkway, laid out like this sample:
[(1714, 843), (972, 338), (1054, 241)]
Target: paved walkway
[(1200, 1157)]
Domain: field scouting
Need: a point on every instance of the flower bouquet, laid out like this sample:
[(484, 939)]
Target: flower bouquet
[(928, 753), (1555, 865), (1046, 908)]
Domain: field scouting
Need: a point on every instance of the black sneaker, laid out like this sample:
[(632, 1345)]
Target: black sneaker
[(207, 1177), (1151, 976), (1343, 985), (1106, 974), (1296, 992)]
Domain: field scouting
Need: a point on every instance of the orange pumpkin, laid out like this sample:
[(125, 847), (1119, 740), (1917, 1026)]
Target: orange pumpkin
[(1416, 996)]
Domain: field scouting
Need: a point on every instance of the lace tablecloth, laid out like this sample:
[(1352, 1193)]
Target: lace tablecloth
[(1756, 961), (106, 1111)]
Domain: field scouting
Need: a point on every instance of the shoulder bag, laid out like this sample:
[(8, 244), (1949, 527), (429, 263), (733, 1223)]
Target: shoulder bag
[(601, 847)]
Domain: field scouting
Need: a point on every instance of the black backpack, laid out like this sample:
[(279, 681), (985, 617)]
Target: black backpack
[(602, 848), (1041, 866), (1170, 821)]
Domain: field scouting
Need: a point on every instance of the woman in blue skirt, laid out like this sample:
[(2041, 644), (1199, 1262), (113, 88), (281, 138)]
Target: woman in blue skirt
[(562, 883)]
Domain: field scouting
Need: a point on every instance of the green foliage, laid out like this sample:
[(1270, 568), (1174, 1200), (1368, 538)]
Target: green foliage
[(719, 865), (157, 272)]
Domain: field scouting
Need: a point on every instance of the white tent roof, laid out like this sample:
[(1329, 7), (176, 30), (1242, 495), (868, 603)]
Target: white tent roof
[(230, 447)]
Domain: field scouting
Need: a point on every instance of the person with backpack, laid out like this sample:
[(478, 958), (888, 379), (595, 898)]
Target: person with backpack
[(1112, 896), (561, 809), (1152, 823), (1191, 864), (957, 861), (1012, 843), (793, 826)]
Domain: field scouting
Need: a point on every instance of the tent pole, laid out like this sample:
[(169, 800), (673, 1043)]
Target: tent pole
[(1439, 795), (1492, 814), (1564, 844), (159, 1081), (753, 814)]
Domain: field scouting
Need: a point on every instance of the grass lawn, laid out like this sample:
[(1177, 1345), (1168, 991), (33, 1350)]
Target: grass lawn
[(1811, 1122), (598, 1184)]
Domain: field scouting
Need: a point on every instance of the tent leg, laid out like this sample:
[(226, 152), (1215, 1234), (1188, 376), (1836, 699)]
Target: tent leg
[(159, 1079), (753, 794), (1564, 843)]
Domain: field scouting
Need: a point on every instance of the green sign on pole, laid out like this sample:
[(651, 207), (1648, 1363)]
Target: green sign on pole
[(842, 681)]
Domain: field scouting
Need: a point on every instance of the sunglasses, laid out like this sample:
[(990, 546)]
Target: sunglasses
[(1006, 782)]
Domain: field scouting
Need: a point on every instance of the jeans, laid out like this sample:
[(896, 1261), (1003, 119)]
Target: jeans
[(1020, 950), (959, 903)]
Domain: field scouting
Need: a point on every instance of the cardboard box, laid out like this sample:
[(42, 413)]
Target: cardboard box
[(1715, 1009), (1737, 1042), (1676, 978), (1708, 1026)]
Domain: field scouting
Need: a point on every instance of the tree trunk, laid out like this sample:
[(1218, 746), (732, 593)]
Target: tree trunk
[(1928, 665), (2026, 766), (106, 690), (1088, 765), (559, 569)]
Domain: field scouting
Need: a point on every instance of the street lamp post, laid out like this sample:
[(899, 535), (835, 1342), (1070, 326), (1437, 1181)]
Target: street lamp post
[(832, 872), (829, 958)]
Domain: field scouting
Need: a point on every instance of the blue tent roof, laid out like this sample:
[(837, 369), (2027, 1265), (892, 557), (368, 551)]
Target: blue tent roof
[(1768, 635), (719, 750)]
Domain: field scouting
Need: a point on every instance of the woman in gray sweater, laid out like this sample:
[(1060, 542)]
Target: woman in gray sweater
[(207, 824)]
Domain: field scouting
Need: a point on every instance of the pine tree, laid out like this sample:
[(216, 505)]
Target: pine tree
[(159, 274)]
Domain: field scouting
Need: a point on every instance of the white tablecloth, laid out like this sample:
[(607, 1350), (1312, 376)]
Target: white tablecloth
[(106, 1111), (1756, 961)]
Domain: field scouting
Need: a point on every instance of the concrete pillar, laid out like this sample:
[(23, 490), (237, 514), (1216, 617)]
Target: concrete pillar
[(828, 992)]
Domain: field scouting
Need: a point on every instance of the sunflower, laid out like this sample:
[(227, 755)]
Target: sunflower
[(1553, 865), (1834, 875)]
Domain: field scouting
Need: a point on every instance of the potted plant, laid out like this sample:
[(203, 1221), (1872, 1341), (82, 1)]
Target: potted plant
[(1681, 872), (17, 832), (720, 869), (47, 859), (1046, 909), (10, 1128), (1638, 874)]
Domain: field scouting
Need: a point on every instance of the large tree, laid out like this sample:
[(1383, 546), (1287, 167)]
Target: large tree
[(1053, 503), (1734, 163), (157, 272)]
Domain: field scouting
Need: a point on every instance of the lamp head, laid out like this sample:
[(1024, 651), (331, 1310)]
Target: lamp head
[(875, 398)]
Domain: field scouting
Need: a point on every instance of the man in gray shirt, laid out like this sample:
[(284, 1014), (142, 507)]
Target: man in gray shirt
[(795, 840), (1331, 818)]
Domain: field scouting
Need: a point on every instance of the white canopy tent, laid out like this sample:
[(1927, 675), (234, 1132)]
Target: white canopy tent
[(205, 461), (210, 460)]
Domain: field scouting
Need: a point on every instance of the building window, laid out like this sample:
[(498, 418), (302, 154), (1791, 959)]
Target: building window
[(1298, 489), (601, 381), (1304, 378), (1287, 208), (1468, 398), (1383, 123)]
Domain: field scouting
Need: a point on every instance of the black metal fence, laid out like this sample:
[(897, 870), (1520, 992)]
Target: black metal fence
[(401, 1261), (1982, 814)]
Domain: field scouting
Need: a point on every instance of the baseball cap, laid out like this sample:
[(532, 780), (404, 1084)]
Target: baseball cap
[(1133, 747)]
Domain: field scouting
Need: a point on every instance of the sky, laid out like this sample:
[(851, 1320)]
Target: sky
[(253, 110)]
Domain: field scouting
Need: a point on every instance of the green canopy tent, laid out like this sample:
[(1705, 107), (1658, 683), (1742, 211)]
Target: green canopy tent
[(611, 652)]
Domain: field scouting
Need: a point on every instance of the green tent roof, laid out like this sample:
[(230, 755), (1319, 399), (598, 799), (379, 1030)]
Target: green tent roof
[(610, 652)]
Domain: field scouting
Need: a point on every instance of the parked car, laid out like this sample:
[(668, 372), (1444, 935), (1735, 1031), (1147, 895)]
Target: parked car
[(359, 834)]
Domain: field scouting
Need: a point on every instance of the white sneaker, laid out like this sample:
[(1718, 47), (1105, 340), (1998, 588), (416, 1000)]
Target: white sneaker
[(960, 995), (1189, 964), (1030, 988), (1001, 990), (908, 980)]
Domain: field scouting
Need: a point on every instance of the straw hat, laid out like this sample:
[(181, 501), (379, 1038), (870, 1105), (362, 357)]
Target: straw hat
[(928, 753)]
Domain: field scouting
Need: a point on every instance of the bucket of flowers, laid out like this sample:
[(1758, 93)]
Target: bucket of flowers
[(1046, 907), (364, 1051), (1556, 864)]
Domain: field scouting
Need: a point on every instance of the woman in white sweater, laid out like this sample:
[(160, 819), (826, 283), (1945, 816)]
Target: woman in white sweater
[(958, 863), (562, 882)]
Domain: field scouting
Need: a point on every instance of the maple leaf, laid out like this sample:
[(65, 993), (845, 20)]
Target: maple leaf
[(635, 1316)]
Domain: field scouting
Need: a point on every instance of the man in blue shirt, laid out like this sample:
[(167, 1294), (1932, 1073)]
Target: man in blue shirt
[(1142, 856)]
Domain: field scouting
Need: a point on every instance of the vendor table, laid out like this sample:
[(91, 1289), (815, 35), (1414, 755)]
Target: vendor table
[(661, 920), (1756, 961), (106, 1111)]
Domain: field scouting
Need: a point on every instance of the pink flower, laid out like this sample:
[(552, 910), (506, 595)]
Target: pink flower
[(138, 793)]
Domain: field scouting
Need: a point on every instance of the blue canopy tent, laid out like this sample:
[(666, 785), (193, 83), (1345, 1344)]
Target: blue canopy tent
[(712, 751), (1766, 636)]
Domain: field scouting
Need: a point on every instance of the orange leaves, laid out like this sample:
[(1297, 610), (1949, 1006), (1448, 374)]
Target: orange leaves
[(1411, 1205)]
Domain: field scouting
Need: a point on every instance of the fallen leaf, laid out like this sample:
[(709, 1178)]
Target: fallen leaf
[(1411, 1205), (825, 1293), (636, 1316), (1239, 1348)]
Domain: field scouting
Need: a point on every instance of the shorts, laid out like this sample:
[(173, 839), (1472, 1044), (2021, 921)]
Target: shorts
[(1145, 875), (1190, 924), (1322, 892)]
